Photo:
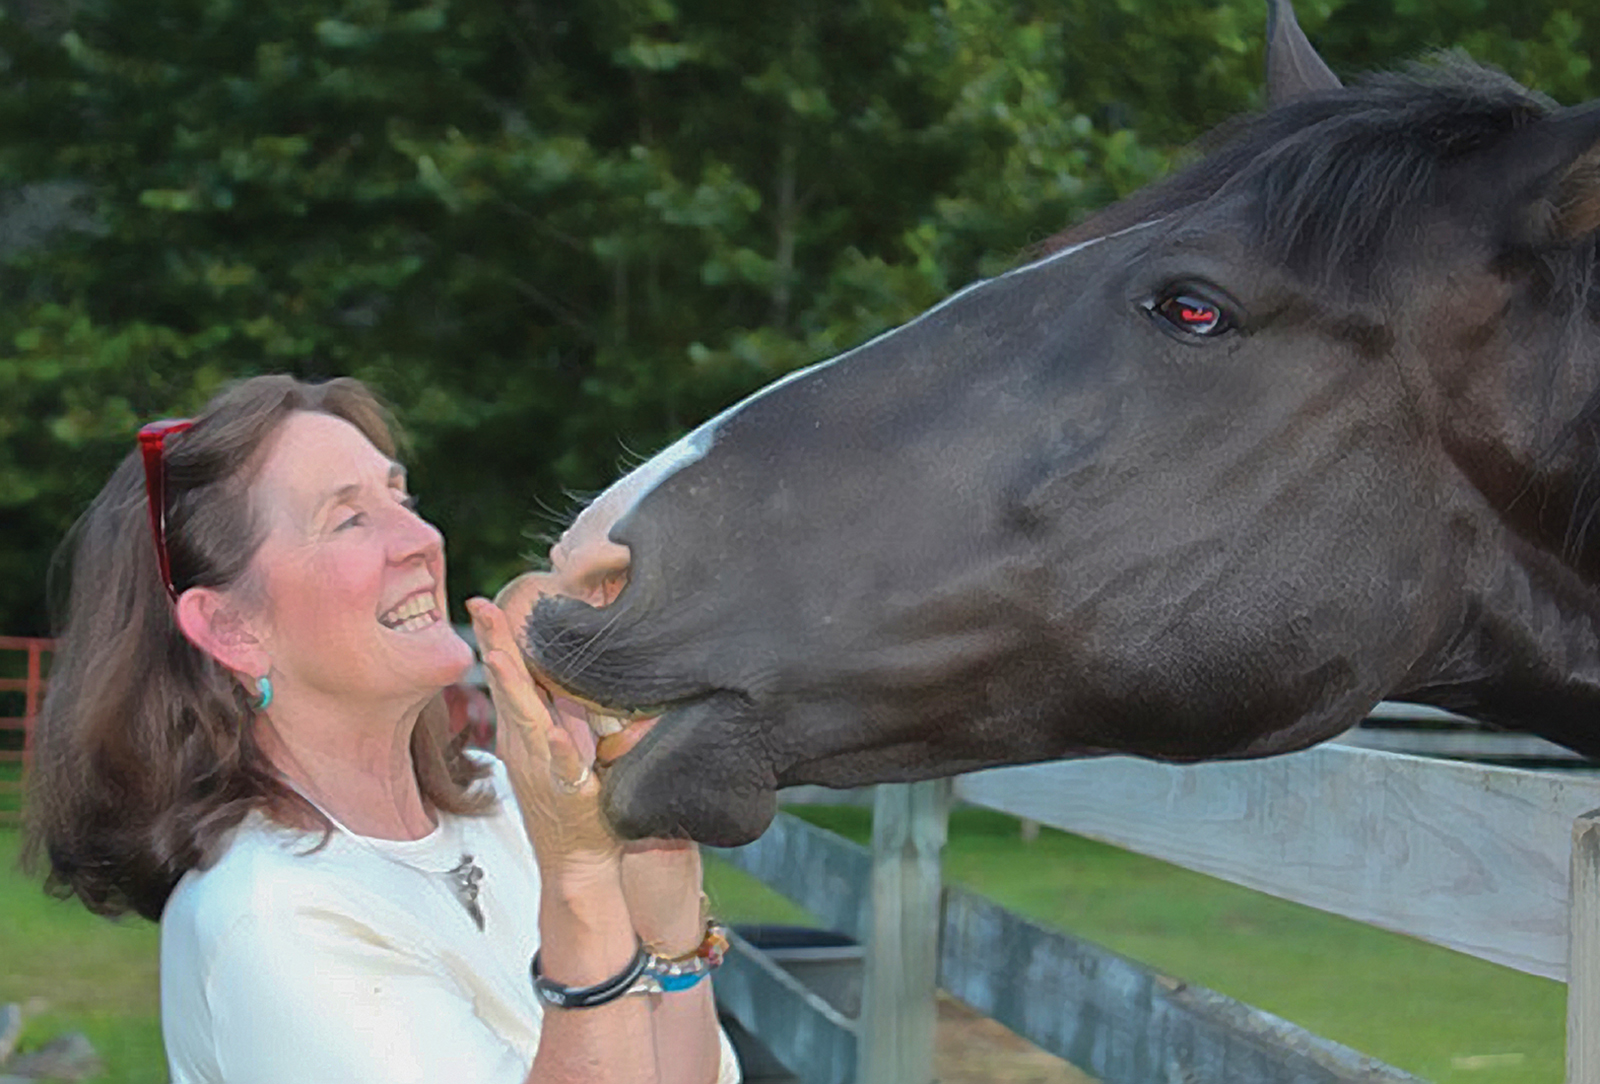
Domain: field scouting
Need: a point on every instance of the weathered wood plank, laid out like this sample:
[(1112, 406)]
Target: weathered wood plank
[(1583, 967), (898, 1012), (803, 1032), (1469, 856), (827, 875), (1471, 744), (1120, 1022)]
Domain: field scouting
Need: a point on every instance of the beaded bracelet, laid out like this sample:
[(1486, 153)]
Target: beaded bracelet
[(671, 974), (588, 997)]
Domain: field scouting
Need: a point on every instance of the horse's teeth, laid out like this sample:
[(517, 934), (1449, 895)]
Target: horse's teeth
[(603, 725)]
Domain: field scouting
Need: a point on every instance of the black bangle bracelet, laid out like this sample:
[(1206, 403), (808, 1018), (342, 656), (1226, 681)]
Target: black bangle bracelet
[(588, 997)]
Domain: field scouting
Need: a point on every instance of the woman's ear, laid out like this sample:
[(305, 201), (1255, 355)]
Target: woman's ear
[(219, 626)]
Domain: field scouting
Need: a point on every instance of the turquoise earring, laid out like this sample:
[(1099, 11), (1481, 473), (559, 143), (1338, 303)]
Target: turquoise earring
[(264, 693)]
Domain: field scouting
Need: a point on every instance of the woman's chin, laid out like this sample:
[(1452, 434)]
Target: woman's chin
[(438, 658), (460, 660)]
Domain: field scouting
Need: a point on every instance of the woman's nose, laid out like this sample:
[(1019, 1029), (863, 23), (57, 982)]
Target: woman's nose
[(415, 536)]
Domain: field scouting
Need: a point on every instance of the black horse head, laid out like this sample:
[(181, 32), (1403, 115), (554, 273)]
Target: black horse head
[(1308, 425)]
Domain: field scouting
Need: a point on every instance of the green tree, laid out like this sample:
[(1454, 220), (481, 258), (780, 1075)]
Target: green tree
[(554, 233)]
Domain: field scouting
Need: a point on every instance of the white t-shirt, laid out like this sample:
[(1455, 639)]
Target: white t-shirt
[(357, 962)]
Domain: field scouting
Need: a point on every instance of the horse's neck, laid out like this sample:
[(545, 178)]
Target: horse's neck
[(1526, 650), (1526, 655)]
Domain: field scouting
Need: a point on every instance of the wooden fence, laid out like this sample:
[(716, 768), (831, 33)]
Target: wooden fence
[(1425, 731), (16, 750), (1500, 863)]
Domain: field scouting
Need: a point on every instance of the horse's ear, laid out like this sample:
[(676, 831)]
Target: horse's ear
[(1552, 174), (1293, 67)]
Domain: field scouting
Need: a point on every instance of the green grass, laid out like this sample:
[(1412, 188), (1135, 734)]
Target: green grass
[(1419, 1007), (74, 971), (1442, 1015)]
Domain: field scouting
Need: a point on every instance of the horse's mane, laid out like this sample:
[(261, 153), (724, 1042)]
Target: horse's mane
[(1340, 176), (1342, 179)]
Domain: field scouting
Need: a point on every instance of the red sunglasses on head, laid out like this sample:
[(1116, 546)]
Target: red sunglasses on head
[(152, 444)]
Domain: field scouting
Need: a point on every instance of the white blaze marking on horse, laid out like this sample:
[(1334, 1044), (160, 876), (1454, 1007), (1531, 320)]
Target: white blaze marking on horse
[(664, 464)]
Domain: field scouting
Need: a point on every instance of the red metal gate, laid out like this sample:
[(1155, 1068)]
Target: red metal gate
[(12, 750)]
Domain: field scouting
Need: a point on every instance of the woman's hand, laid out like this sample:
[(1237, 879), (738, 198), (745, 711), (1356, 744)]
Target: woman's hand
[(661, 880), (544, 750)]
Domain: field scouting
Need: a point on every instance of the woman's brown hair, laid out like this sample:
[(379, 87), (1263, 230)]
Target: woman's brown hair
[(144, 753)]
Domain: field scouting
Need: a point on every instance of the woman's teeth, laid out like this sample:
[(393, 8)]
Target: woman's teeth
[(412, 615)]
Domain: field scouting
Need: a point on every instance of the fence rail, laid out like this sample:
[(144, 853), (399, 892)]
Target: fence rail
[(1500, 863), (1121, 1021), (19, 751), (1473, 857)]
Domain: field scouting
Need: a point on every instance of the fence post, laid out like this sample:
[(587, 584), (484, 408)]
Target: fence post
[(1583, 953), (901, 969)]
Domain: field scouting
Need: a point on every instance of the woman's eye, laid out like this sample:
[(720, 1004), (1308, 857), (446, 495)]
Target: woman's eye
[(352, 521), (1192, 315), (409, 502)]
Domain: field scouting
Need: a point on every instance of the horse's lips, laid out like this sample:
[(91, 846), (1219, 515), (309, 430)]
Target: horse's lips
[(614, 746)]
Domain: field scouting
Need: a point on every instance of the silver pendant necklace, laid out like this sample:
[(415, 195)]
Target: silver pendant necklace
[(463, 879)]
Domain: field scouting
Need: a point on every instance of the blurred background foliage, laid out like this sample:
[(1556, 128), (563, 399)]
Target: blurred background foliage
[(558, 233)]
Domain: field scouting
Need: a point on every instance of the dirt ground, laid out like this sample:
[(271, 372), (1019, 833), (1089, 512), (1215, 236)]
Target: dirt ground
[(972, 1049)]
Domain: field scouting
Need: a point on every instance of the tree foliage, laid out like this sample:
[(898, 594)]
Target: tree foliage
[(553, 233)]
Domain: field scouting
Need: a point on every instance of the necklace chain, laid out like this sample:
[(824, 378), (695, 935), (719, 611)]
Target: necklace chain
[(464, 878)]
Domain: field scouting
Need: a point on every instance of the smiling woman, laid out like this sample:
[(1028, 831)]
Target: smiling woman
[(243, 740)]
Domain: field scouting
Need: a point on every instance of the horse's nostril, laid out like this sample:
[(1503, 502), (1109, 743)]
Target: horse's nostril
[(611, 586), (598, 589), (589, 568)]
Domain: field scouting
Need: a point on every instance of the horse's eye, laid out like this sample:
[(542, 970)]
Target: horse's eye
[(1191, 315)]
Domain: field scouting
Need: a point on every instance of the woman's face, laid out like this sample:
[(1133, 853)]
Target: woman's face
[(351, 578)]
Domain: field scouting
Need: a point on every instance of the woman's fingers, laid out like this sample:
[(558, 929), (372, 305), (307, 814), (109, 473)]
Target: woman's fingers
[(545, 723), (515, 691), (550, 770), (494, 634)]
